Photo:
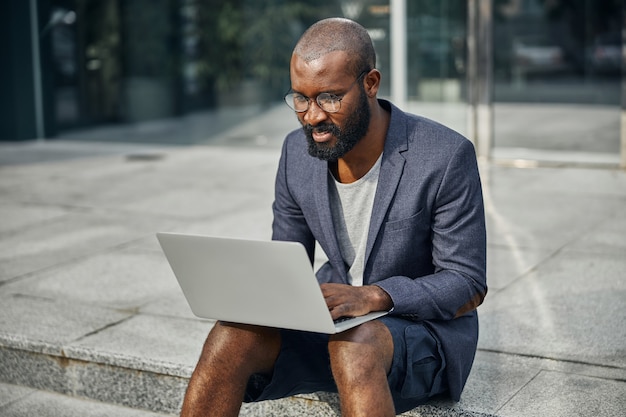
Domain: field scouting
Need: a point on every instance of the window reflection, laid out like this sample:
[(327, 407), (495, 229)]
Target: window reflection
[(557, 60), (551, 46), (142, 60), (123, 63)]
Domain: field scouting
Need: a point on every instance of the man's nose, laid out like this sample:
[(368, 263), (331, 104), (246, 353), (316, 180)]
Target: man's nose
[(314, 114)]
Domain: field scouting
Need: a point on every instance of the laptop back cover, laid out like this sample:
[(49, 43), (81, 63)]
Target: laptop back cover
[(269, 283)]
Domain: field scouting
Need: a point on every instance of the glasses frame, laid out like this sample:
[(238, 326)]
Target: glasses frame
[(319, 99)]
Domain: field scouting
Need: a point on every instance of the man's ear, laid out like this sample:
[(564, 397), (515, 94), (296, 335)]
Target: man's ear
[(372, 83)]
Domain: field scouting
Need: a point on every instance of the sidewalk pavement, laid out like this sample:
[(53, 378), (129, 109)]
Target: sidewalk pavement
[(90, 309)]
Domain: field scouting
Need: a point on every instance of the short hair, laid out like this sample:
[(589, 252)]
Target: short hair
[(338, 34)]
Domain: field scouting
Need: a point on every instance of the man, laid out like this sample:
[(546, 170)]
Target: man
[(395, 202)]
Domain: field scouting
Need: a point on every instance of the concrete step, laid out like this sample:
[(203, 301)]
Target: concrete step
[(151, 388), (134, 363), (19, 401), (140, 358)]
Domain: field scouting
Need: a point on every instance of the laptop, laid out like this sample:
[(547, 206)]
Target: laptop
[(268, 283)]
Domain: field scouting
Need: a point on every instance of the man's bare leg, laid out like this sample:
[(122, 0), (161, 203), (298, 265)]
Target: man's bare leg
[(360, 359), (231, 353)]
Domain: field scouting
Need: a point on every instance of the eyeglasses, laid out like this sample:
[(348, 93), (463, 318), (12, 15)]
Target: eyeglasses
[(330, 103)]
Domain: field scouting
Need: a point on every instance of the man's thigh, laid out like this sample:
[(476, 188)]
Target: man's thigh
[(303, 366)]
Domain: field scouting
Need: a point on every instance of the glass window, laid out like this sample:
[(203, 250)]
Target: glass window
[(436, 59), (557, 71)]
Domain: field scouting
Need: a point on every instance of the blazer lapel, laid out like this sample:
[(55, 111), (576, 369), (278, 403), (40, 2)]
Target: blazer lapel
[(329, 243), (391, 170)]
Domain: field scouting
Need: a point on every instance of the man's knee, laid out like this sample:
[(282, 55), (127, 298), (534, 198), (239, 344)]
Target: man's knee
[(254, 348), (246, 334), (366, 348)]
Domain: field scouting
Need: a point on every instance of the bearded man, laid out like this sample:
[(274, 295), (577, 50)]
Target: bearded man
[(394, 200)]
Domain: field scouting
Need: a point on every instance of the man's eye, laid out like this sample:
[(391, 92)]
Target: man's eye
[(328, 98), (299, 99)]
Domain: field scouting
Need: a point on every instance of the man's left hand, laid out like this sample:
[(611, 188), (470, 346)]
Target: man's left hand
[(348, 301)]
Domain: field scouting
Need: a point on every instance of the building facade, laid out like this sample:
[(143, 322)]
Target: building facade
[(524, 79)]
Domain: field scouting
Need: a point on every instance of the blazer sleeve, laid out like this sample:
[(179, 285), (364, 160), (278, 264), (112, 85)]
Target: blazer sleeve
[(458, 240), (289, 222)]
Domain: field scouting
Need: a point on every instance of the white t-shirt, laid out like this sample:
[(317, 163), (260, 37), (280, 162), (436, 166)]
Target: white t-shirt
[(351, 206)]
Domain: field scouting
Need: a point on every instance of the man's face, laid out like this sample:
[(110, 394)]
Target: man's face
[(348, 134), (330, 136)]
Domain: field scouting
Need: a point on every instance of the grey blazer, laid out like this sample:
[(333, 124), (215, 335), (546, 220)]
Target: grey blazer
[(427, 242)]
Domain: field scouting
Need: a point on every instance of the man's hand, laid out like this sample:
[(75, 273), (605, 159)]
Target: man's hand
[(348, 301)]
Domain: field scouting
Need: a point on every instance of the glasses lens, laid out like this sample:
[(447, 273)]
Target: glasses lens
[(329, 102), (297, 102)]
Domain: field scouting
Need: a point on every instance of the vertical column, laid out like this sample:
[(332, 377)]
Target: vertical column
[(472, 82), (480, 75), (623, 104), (485, 78), (37, 81), (16, 80), (398, 53), (25, 99)]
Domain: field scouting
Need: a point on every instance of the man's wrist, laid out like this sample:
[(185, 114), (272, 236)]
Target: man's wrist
[(380, 299)]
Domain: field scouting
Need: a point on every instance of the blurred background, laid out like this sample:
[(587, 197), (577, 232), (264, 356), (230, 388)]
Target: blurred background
[(533, 79)]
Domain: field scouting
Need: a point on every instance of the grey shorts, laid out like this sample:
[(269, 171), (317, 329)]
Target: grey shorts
[(303, 366)]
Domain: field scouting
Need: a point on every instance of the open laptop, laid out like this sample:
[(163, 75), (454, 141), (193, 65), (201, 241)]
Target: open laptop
[(268, 283)]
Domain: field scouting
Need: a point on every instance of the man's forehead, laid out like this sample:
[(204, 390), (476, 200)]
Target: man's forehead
[(335, 62)]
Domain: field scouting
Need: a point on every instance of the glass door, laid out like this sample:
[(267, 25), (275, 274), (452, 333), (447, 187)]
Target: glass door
[(436, 61), (557, 79)]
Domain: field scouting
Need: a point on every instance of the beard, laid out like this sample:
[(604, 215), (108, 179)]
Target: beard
[(352, 131)]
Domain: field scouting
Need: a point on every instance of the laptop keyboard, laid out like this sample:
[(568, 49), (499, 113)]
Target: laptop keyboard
[(341, 319)]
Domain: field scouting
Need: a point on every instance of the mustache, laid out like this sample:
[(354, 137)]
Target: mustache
[(322, 128)]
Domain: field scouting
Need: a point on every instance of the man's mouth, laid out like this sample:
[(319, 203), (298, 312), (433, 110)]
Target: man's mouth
[(321, 134)]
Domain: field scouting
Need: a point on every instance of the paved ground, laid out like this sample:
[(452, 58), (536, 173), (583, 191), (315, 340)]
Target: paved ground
[(90, 309)]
